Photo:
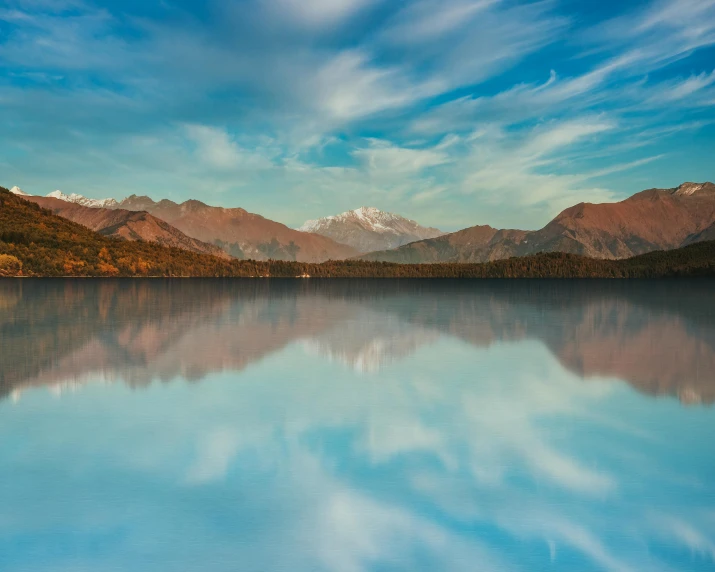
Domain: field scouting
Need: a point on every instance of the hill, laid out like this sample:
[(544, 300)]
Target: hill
[(36, 242)]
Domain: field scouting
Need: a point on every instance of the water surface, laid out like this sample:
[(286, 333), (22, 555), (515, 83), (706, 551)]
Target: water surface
[(265, 425)]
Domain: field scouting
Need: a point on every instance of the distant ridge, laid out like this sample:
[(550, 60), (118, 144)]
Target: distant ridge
[(368, 228), (84, 201)]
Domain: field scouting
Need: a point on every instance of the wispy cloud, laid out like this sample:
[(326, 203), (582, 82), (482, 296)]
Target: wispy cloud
[(317, 13), (382, 157)]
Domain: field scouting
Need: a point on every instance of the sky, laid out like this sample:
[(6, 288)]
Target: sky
[(451, 112)]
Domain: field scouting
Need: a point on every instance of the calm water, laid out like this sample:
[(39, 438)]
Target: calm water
[(349, 425)]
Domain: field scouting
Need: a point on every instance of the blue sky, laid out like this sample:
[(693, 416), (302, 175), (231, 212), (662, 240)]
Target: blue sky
[(452, 112)]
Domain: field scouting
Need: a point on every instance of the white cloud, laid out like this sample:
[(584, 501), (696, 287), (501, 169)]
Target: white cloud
[(216, 149), (383, 158), (692, 18), (349, 86), (318, 13), (679, 89), (660, 32), (428, 19), (546, 140)]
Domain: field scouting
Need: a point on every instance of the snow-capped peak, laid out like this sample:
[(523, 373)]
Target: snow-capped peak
[(370, 218), (19, 192), (368, 228), (84, 201)]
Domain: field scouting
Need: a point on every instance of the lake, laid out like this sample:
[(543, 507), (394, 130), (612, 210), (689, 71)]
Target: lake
[(349, 425)]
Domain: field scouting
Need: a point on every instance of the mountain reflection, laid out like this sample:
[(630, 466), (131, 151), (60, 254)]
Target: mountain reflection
[(658, 336)]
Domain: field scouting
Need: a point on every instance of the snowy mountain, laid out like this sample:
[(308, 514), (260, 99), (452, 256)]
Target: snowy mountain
[(84, 201), (367, 229), (19, 192)]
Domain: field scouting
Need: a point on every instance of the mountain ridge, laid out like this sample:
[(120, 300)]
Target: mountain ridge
[(654, 219)]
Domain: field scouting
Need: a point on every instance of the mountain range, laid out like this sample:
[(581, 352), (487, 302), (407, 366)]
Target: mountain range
[(655, 219), (241, 234), (194, 226)]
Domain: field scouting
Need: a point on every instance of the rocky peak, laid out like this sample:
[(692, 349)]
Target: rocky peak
[(690, 189), (137, 203), (192, 205)]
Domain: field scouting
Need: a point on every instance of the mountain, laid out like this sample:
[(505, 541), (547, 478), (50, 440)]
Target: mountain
[(128, 225), (367, 229), (19, 192), (242, 234), (655, 219), (84, 201)]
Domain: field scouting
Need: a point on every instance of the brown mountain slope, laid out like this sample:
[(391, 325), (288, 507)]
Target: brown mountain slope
[(129, 225), (656, 219), (240, 233)]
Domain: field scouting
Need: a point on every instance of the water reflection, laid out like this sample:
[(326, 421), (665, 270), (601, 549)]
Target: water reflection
[(350, 426), (658, 336)]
